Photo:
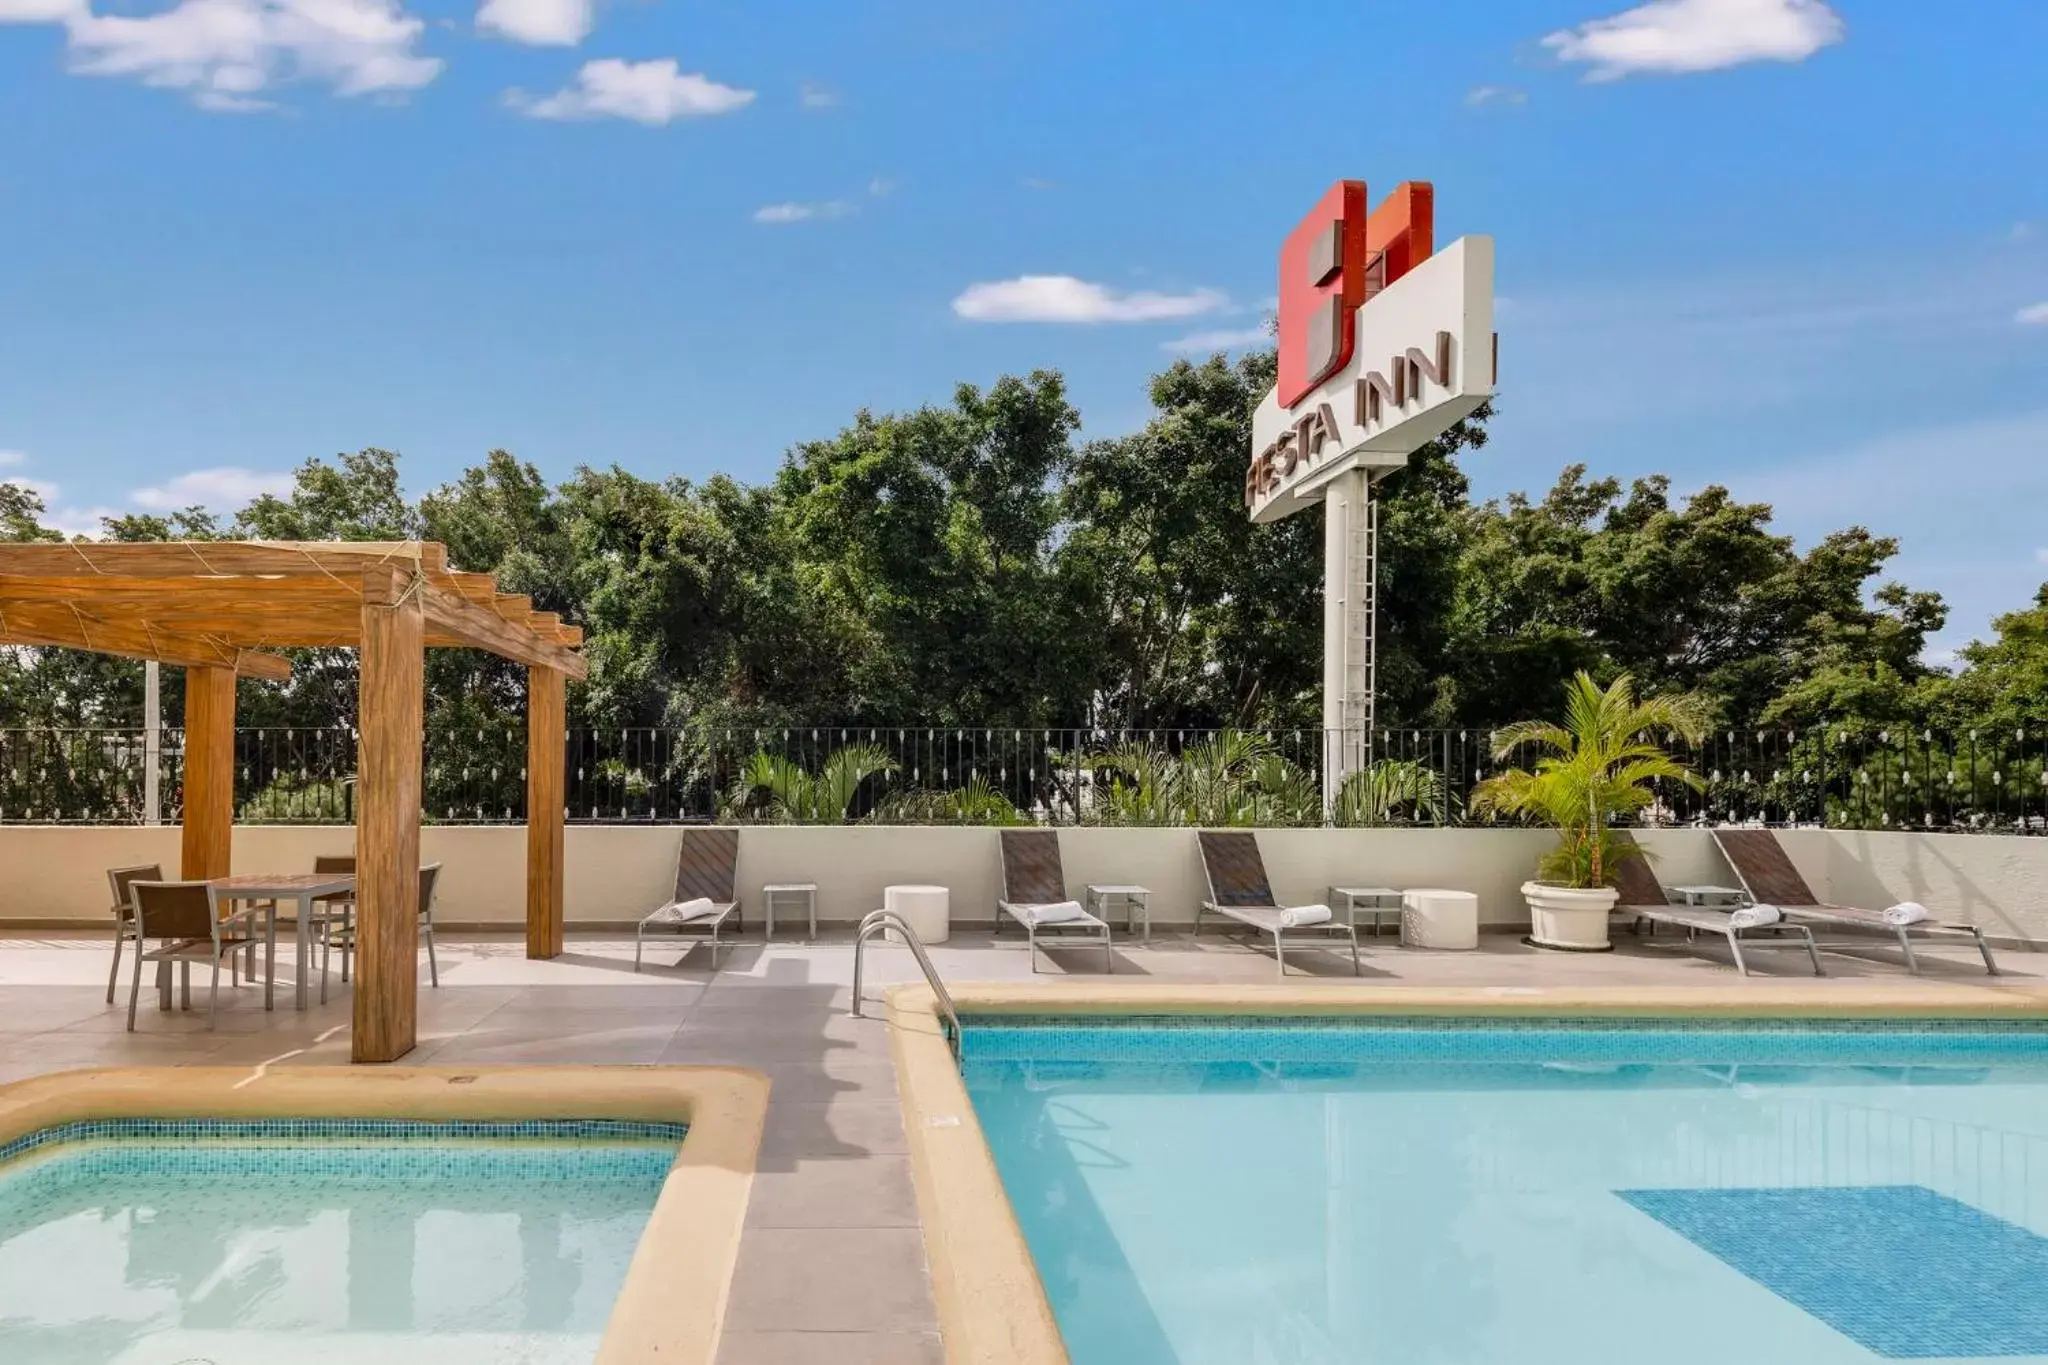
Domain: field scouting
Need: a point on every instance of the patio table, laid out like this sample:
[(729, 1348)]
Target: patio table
[(302, 887)]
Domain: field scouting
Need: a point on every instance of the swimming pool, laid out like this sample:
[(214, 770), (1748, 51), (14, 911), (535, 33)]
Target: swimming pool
[(1212, 1191), (146, 1241)]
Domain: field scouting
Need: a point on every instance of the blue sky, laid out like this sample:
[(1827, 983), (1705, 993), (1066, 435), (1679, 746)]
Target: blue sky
[(1797, 247)]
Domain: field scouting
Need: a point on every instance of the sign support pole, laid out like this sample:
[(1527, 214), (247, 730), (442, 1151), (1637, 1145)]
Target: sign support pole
[(1350, 626)]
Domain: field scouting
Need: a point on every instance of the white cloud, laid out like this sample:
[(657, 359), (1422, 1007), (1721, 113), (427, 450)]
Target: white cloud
[(1063, 298), (1223, 339), (802, 213), (812, 95), (1033, 182), (225, 489), (2041, 555), (8, 457), (539, 23), (78, 521), (1480, 95), (38, 11), (878, 187), (1675, 36), (652, 92), (223, 52), (2034, 315)]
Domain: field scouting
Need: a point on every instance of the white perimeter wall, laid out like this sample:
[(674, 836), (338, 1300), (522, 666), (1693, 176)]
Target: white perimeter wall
[(53, 876)]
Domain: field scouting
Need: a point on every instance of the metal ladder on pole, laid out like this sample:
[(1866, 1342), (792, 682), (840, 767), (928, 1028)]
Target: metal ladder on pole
[(1361, 631), (882, 921)]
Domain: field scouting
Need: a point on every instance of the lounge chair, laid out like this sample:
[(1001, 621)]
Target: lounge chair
[(187, 921), (1238, 890), (1643, 898), (707, 866), (1035, 893), (1767, 875)]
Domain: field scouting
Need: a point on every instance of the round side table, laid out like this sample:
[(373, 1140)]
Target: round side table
[(1432, 917), (927, 909)]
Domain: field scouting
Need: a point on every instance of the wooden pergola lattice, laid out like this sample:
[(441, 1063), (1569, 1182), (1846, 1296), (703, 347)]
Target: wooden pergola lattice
[(216, 607)]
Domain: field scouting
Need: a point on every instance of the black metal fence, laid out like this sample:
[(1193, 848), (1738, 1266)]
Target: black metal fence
[(1847, 777)]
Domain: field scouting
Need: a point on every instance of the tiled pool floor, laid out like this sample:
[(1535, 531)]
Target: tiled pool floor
[(832, 1265)]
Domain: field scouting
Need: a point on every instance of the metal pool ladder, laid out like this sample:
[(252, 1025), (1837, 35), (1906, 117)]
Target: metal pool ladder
[(881, 921)]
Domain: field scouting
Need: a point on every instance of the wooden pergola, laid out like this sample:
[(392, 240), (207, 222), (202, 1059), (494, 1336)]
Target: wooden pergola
[(215, 608)]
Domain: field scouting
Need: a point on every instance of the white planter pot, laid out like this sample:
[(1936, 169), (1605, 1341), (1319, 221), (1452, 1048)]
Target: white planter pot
[(1570, 918)]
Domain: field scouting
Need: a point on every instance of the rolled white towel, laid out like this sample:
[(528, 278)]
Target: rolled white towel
[(1302, 916), (1059, 912), (1754, 916), (682, 912), (1907, 912)]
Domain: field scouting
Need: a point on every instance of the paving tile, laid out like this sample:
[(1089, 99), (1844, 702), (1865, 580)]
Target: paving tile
[(849, 1124), (835, 1192), (830, 1348), (831, 1280)]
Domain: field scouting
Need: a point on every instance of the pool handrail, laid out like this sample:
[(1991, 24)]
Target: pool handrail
[(882, 921)]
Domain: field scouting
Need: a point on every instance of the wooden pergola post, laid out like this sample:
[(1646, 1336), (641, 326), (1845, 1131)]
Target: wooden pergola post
[(207, 827), (389, 717), (546, 755)]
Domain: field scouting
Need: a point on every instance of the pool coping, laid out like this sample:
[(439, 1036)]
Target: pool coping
[(671, 1307), (992, 1307)]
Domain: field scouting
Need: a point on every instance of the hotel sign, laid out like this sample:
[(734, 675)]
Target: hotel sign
[(1384, 345)]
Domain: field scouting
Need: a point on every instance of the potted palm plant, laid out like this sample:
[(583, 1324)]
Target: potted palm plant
[(1593, 767)]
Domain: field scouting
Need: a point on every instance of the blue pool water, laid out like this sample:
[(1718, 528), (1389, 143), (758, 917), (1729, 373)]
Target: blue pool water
[(1562, 1192), (313, 1242)]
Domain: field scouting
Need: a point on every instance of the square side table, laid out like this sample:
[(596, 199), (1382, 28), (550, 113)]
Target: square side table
[(805, 891)]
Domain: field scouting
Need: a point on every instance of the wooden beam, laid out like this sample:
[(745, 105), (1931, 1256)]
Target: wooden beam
[(390, 709), (63, 628), (455, 617), (546, 759), (206, 836), (185, 558)]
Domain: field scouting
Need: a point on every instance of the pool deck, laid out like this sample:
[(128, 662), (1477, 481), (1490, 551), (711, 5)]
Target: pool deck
[(832, 1260)]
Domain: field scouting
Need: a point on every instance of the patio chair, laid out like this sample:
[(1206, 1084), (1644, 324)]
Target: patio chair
[(707, 863), (1238, 890), (430, 877), (1643, 898), (1035, 893), (186, 918), (119, 878), (339, 906), (1767, 875)]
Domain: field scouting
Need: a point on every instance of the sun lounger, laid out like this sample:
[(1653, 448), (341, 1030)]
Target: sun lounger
[(707, 866), (1643, 898), (1768, 876), (1035, 894), (1238, 890)]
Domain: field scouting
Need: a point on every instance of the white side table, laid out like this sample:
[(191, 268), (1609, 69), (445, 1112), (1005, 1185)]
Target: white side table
[(1433, 917), (807, 892), (1096, 900), (927, 909), (1377, 901)]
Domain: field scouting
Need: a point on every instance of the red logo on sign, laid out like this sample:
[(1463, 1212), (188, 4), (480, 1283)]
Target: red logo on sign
[(1333, 261)]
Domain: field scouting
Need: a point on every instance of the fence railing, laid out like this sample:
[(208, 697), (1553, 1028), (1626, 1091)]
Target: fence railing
[(1842, 777)]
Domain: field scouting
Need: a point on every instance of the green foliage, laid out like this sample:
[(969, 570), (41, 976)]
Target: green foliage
[(1392, 791), (1596, 765), (972, 563), (977, 803), (1233, 778), (775, 788)]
